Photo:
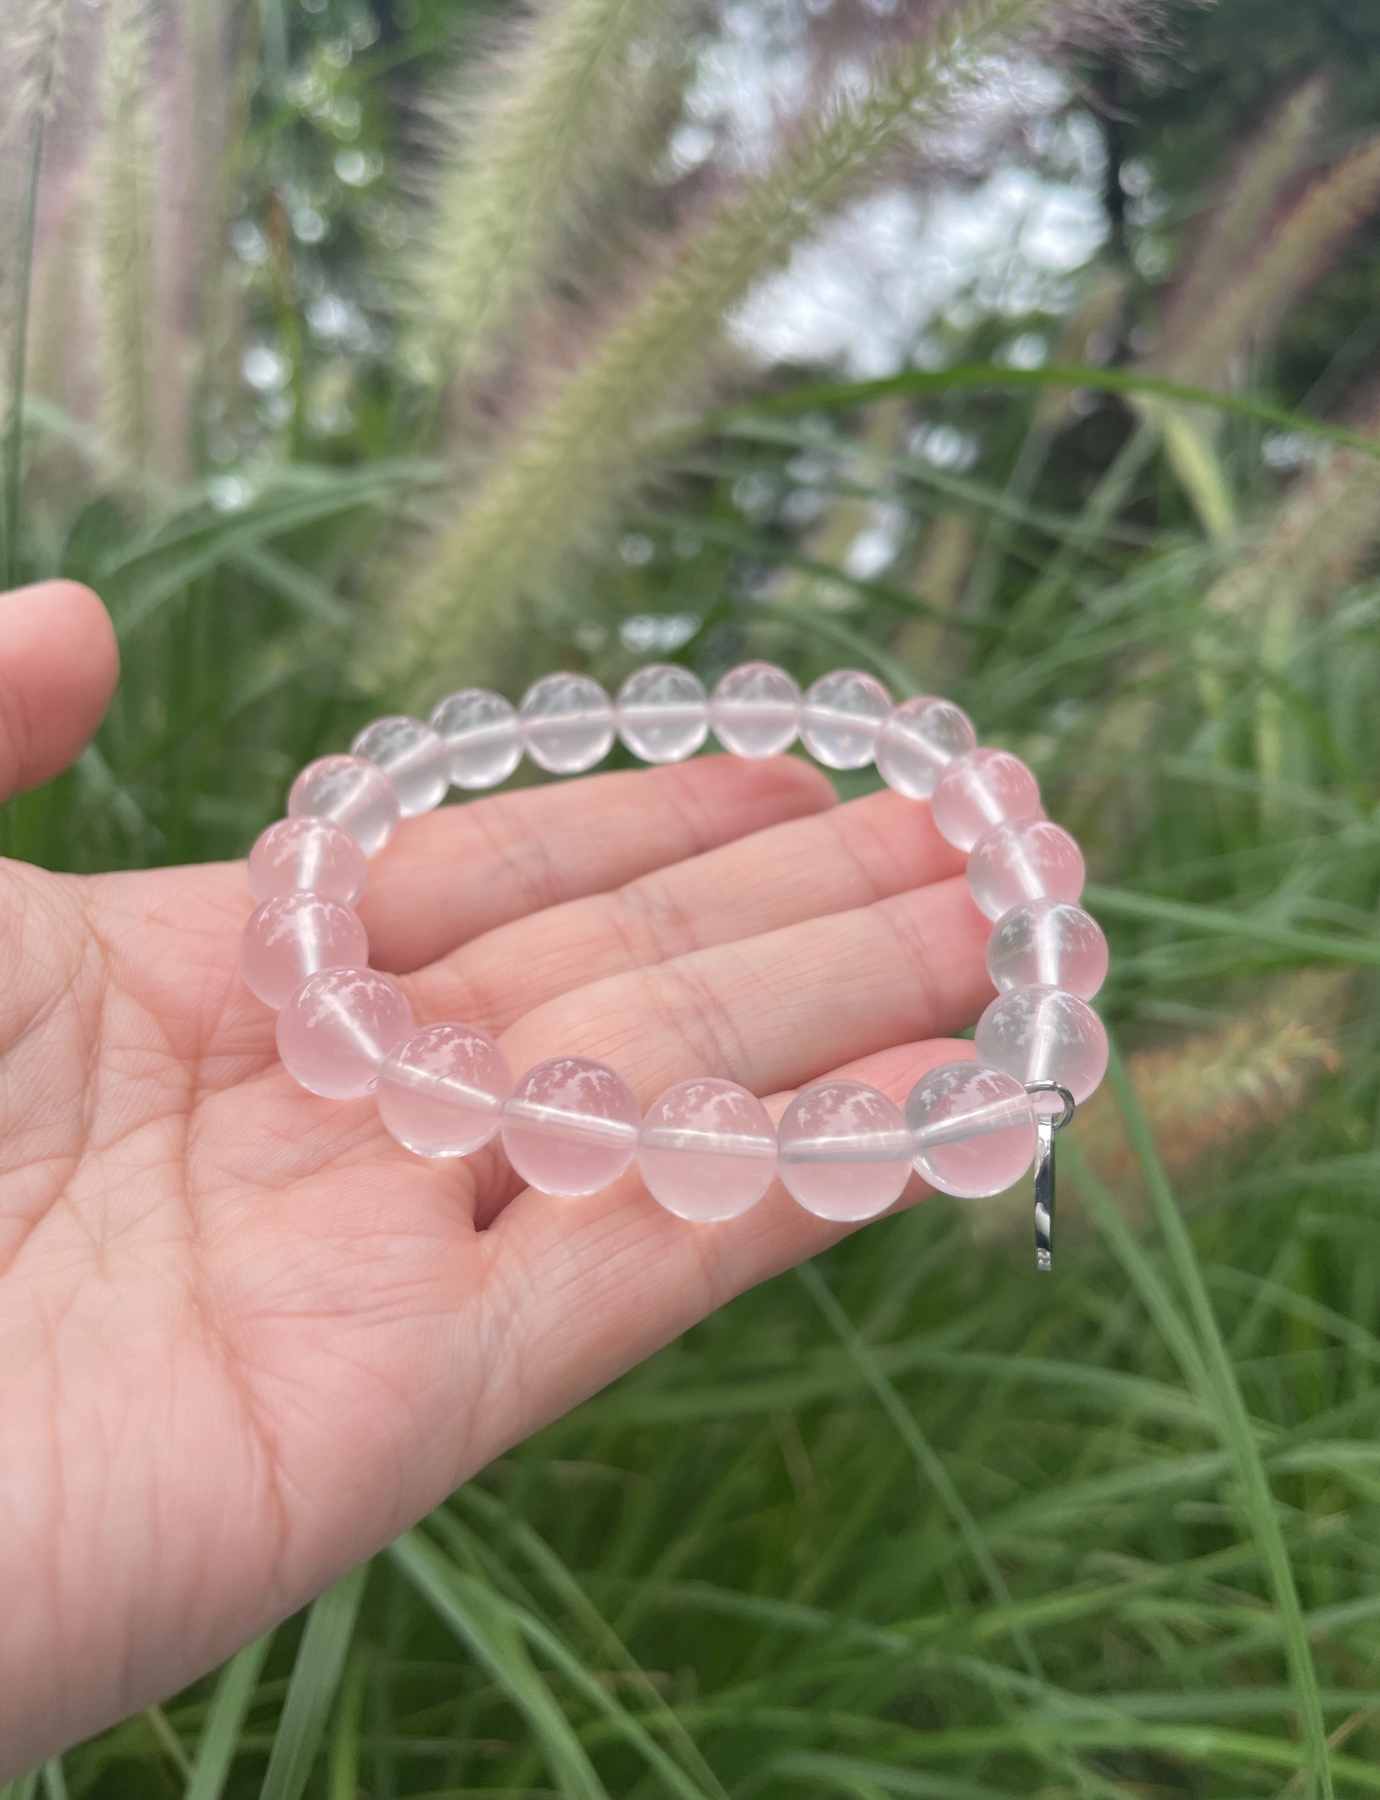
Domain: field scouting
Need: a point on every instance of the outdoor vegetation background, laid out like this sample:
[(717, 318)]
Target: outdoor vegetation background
[(1025, 351)]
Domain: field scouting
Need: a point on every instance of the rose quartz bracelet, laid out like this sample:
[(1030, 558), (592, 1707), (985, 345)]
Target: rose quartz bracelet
[(707, 1150)]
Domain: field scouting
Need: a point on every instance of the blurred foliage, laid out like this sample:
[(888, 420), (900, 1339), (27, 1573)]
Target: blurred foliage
[(908, 1524)]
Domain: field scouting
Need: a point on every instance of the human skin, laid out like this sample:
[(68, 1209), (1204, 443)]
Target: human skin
[(245, 1338)]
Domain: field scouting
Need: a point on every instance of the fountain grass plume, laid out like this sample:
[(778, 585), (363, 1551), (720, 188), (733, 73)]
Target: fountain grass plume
[(563, 468), (1248, 307), (1230, 231), (35, 48), (523, 145), (124, 235), (1327, 527)]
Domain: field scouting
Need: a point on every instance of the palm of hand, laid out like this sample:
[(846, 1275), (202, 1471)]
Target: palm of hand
[(246, 1337)]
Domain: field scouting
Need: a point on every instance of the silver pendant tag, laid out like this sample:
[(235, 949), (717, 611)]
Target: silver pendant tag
[(1047, 1124)]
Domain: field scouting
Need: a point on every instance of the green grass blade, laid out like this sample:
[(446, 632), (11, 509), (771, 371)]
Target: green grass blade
[(1306, 946), (19, 350), (315, 1677), (1000, 378), (1238, 1435), (220, 1736), (344, 1760), (485, 1627), (929, 1466)]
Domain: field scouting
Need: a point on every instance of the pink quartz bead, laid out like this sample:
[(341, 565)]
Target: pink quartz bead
[(844, 1150), (663, 713), (294, 935), (570, 1126), (755, 710), (480, 729), (441, 1091), (567, 723), (307, 856), (973, 1129), (337, 1028), (707, 1150), (982, 789), (1047, 943), (351, 792), (840, 717), (413, 757), (918, 741), (1028, 859), (1044, 1034)]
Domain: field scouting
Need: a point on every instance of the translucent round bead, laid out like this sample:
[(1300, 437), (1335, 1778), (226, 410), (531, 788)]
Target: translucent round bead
[(918, 741), (480, 729), (841, 717), (307, 856), (570, 1126), (412, 756), (707, 1150), (844, 1150), (980, 790), (441, 1091), (567, 723), (291, 937), (1029, 859), (1047, 943), (973, 1129), (1044, 1034), (663, 713), (354, 794), (755, 710), (337, 1028)]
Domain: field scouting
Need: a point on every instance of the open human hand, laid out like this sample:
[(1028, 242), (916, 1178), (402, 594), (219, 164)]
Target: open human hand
[(245, 1338)]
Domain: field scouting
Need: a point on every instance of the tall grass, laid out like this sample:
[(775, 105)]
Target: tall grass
[(913, 1523)]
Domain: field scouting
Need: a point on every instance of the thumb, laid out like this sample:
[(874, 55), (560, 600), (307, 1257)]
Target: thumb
[(58, 665)]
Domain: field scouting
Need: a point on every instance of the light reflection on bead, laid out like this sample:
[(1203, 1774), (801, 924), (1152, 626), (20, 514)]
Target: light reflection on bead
[(412, 756), (441, 1091), (755, 710), (919, 740), (570, 1126), (973, 1129), (1044, 1034), (841, 716), (844, 1150), (306, 855), (335, 1031), (351, 792), (1048, 943), (480, 730), (663, 713), (567, 723), (982, 789), (292, 936), (707, 1150), (1029, 859)]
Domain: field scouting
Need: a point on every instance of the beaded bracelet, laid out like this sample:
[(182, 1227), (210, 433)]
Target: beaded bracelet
[(707, 1150)]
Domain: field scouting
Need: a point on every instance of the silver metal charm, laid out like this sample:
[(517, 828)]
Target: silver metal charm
[(1046, 1125)]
